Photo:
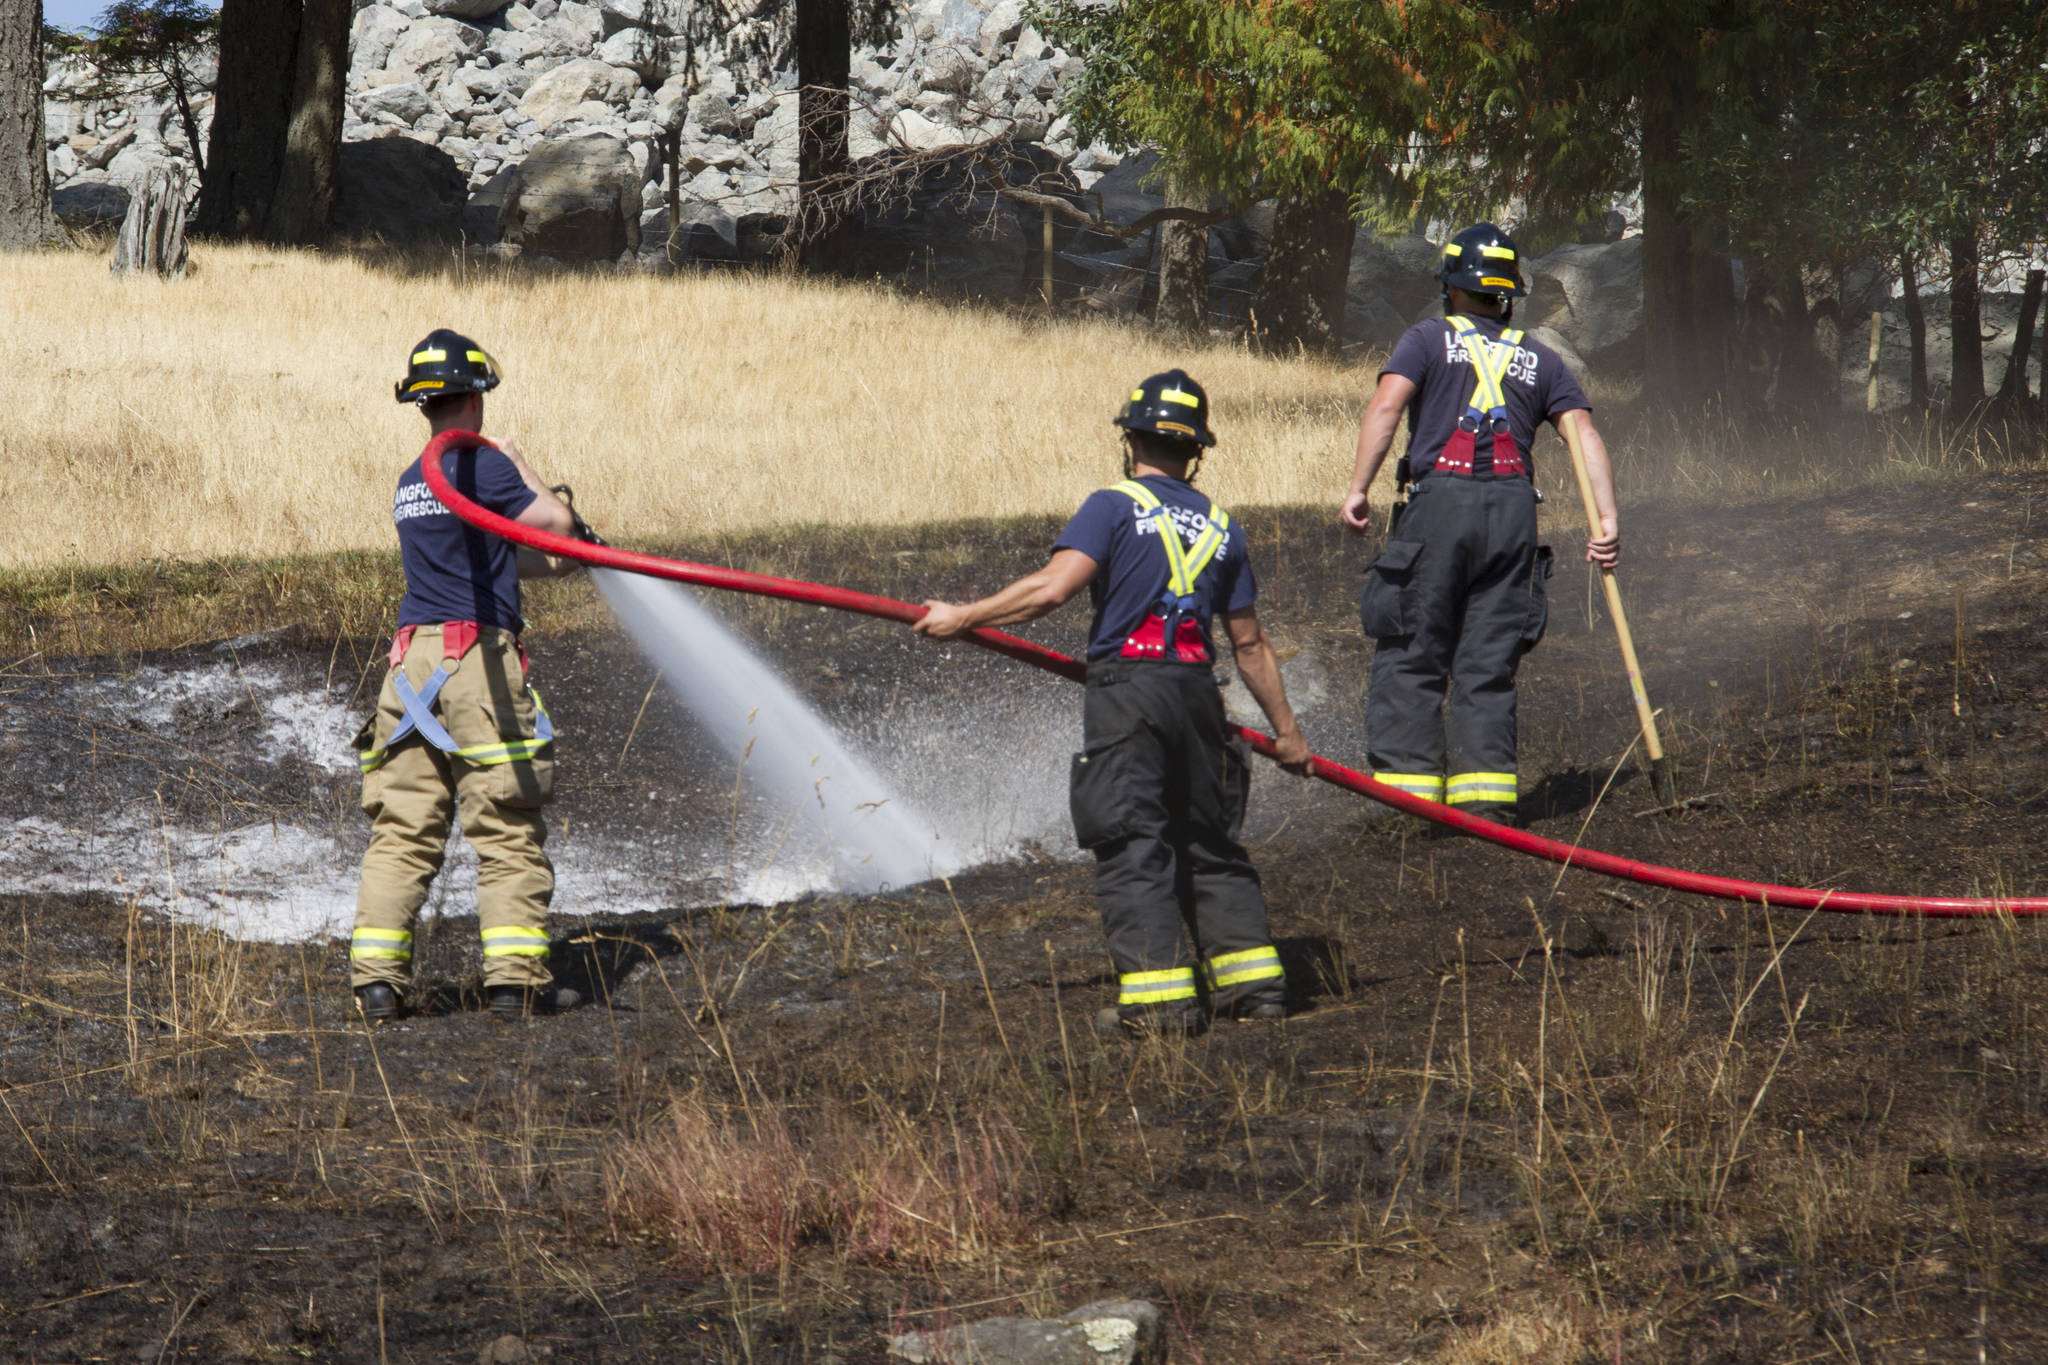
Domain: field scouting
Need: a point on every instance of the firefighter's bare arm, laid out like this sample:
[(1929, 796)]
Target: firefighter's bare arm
[(1375, 438), (1027, 599), (1261, 674), (1605, 548), (545, 513)]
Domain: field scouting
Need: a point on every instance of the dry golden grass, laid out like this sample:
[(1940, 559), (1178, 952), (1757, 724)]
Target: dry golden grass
[(247, 410)]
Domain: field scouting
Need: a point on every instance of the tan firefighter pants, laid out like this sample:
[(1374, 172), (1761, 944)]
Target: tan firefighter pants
[(416, 789)]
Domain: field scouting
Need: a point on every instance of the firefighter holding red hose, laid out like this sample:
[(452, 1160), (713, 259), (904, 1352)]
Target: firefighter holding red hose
[(1457, 595), (1158, 791), (458, 733)]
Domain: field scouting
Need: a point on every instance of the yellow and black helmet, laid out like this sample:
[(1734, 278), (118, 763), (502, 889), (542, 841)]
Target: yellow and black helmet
[(1482, 260), (447, 363), (1170, 405)]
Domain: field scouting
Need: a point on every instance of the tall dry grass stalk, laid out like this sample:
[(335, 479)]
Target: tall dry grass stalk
[(247, 409), (745, 1194)]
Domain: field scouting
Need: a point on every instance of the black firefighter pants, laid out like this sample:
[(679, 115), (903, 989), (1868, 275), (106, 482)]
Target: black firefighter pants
[(1158, 796), (1455, 601)]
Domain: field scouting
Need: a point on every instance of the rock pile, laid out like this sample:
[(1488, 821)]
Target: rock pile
[(556, 128), (486, 84)]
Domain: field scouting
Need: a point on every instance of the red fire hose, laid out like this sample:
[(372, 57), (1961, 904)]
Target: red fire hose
[(1336, 774)]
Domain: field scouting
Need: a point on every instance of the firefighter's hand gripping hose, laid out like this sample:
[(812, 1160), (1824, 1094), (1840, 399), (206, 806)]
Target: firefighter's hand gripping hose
[(594, 552)]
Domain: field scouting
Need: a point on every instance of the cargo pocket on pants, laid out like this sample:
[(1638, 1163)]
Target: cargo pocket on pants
[(1385, 603), (1098, 796), (522, 782), (1541, 565)]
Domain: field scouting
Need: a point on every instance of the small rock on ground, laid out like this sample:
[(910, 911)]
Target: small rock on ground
[(1112, 1332)]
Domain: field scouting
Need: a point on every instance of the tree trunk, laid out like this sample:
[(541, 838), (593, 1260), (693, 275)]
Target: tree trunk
[(1688, 295), (824, 65), (303, 207), (1183, 307), (26, 217), (1667, 283), (252, 111), (174, 76), (152, 240), (2012, 392), (1299, 302), (1916, 333), (1966, 329)]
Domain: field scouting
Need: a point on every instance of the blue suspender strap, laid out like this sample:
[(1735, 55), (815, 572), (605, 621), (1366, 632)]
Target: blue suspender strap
[(418, 711), (420, 718)]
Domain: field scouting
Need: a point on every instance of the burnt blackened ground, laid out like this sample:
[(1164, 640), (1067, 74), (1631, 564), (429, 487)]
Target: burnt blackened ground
[(1521, 1116)]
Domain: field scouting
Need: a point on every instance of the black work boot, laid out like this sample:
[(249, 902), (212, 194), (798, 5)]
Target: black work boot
[(379, 1003), (524, 1002), (1263, 1012)]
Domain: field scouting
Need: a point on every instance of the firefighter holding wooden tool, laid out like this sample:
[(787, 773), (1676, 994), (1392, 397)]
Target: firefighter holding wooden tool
[(457, 731), (1457, 596), (1158, 792)]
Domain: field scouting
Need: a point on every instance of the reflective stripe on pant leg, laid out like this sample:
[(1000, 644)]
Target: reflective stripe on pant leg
[(394, 944), (514, 940), (1466, 788), (1428, 786), (1157, 988), (1253, 964)]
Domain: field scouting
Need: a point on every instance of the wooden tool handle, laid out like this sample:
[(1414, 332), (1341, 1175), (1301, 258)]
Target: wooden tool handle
[(1612, 590)]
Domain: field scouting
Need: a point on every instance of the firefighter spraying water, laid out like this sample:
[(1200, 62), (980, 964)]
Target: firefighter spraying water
[(458, 733)]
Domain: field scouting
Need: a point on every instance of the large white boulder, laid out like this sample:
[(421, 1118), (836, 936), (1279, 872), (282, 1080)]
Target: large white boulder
[(1394, 270), (556, 94), (510, 46), (408, 101), (375, 29), (573, 30), (1592, 293), (1005, 22), (431, 49), (662, 17), (574, 198), (639, 51), (947, 69), (913, 132)]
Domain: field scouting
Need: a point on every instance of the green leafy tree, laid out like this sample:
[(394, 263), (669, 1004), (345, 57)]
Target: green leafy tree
[(1315, 103), (1886, 133), (153, 48)]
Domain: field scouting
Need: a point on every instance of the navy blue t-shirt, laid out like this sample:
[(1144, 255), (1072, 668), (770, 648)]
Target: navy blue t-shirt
[(454, 572), (1112, 530), (1538, 387)]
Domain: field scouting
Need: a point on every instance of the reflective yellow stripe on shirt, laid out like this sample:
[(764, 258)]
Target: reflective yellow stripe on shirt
[(1490, 362), (1184, 563)]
